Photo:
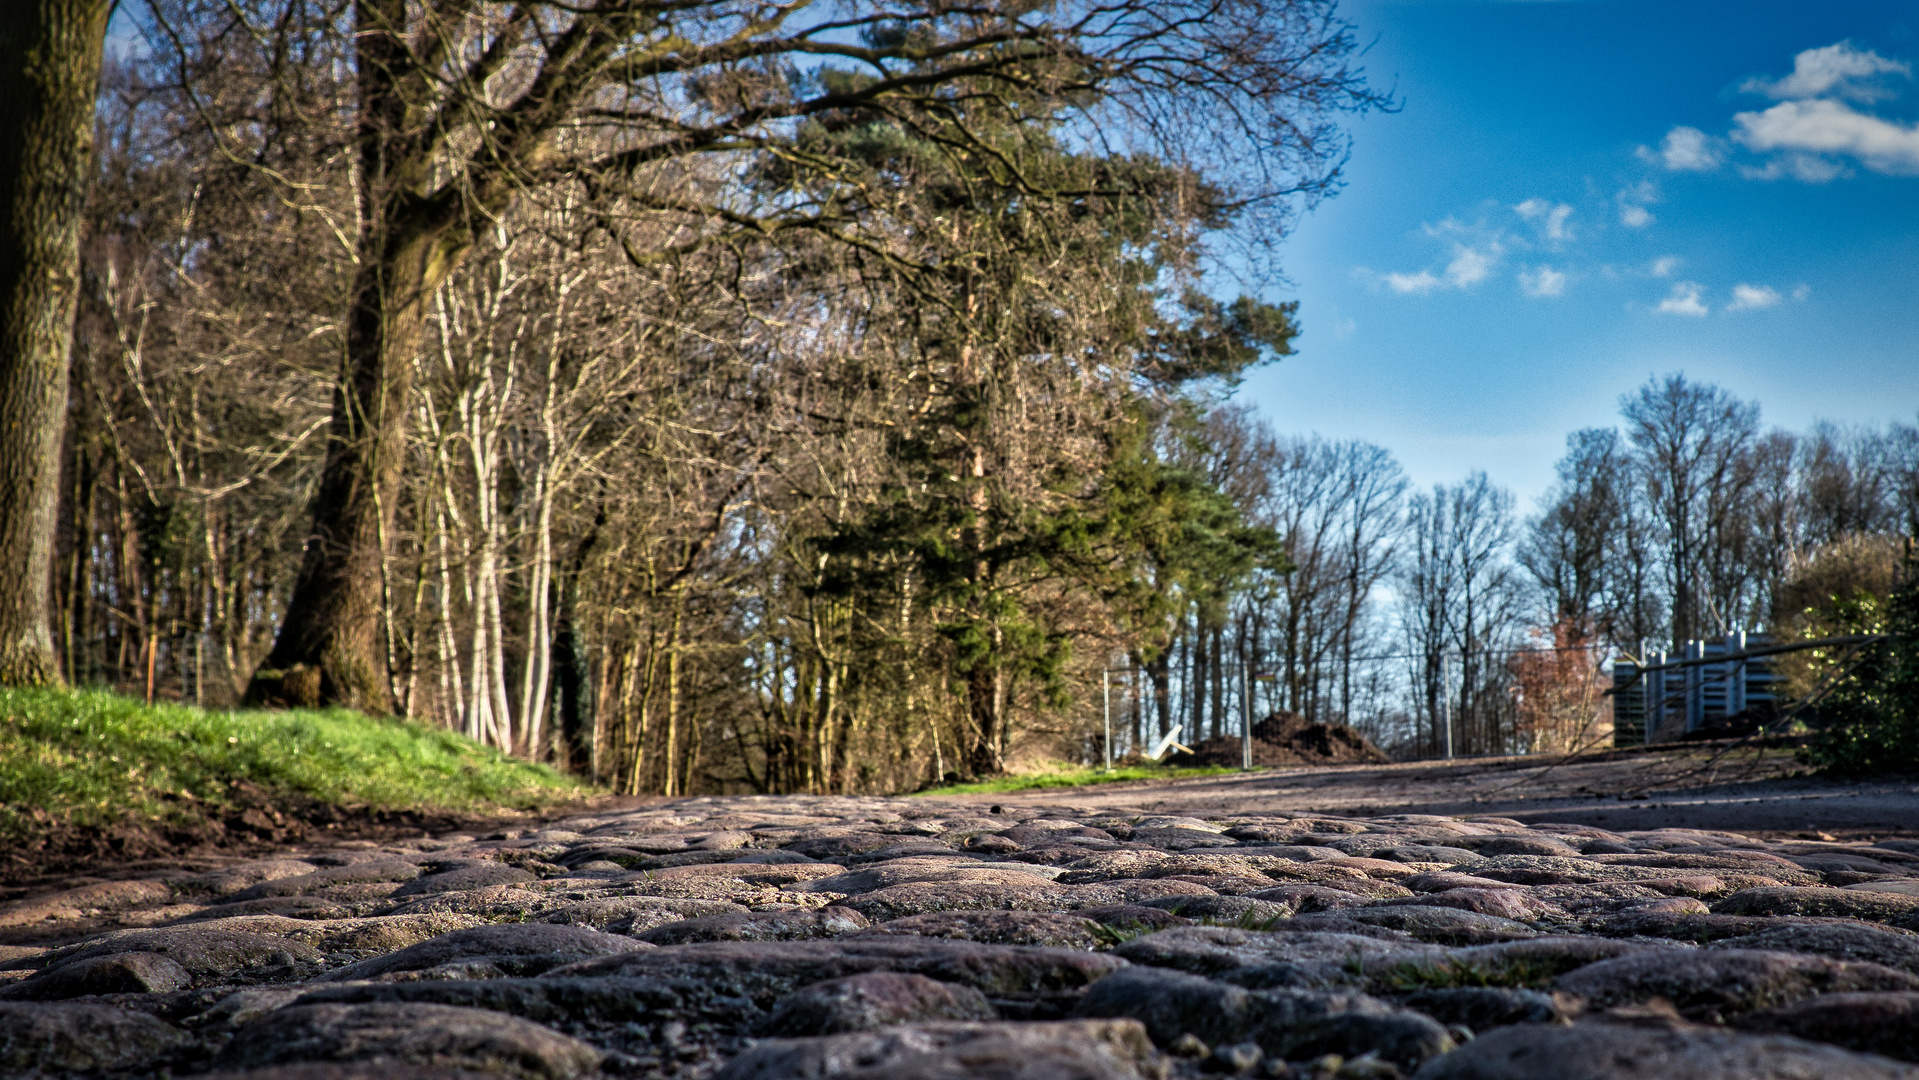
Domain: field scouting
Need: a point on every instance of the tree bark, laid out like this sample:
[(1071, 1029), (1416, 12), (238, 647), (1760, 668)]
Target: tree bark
[(984, 698), (333, 619), (49, 76), (412, 238)]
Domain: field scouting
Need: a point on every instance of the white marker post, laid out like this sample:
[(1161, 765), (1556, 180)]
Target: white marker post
[(1106, 693), (1246, 719)]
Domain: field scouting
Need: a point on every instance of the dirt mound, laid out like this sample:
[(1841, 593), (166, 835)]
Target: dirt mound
[(1286, 738)]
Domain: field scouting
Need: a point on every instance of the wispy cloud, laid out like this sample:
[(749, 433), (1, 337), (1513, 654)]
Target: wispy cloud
[(1549, 218), (1664, 266), (1470, 266), (1414, 284), (1837, 70), (1684, 300), (1476, 252), (1633, 202), (1542, 281), (1753, 298), (1685, 149)]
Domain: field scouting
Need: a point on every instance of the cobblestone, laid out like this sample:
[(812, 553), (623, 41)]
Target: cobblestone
[(846, 938)]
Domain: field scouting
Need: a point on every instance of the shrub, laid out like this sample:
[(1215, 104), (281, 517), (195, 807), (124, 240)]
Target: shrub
[(1870, 722)]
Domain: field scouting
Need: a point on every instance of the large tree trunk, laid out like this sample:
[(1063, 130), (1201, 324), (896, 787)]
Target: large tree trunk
[(49, 76), (412, 237), (333, 619), (985, 699)]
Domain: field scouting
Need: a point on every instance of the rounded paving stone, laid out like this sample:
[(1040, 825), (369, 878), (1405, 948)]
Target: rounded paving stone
[(1077, 930), (1840, 941), (1065, 1050), (510, 949), (461, 878), (871, 1000), (1607, 1051), (400, 1035), (759, 926), (207, 951), (1715, 984), (119, 973), (1885, 1024), (81, 1037), (1895, 908)]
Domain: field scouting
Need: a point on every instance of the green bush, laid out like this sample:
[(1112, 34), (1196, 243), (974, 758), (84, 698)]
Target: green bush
[(1870, 722)]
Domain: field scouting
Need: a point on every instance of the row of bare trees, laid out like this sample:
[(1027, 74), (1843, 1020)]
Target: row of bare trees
[(1441, 620)]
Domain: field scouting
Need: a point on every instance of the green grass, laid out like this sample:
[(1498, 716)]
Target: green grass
[(1075, 777), (91, 758)]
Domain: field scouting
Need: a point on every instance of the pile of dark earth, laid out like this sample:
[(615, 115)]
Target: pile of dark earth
[(909, 939), (1286, 738)]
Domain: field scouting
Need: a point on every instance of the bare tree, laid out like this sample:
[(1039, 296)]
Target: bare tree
[(1848, 482), (1690, 448), (1459, 609), (1902, 466), (1336, 507)]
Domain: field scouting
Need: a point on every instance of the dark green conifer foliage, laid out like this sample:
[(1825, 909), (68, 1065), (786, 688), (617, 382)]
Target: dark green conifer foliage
[(983, 535)]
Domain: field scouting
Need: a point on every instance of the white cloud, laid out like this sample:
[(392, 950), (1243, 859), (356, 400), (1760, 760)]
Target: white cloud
[(1753, 298), (1416, 284), (1663, 266), (1685, 149), (1632, 204), (1684, 300), (1806, 129), (1549, 218), (1835, 70), (1801, 292), (1807, 168), (1477, 251), (1470, 266), (1543, 281)]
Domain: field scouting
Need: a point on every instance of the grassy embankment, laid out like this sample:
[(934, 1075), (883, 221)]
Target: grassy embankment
[(1075, 776), (92, 772)]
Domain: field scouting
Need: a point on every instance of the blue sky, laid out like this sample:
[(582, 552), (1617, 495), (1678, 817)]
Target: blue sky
[(1581, 194)]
